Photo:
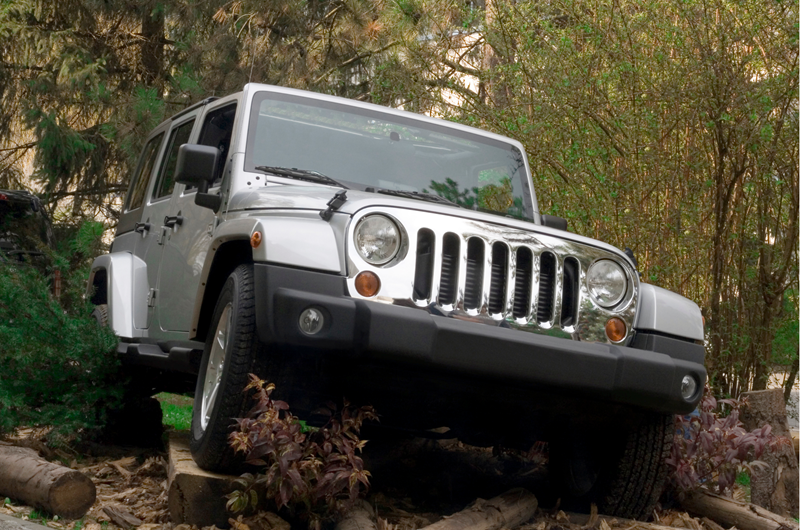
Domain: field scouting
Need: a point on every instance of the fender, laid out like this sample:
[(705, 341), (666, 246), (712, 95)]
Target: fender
[(294, 239), (667, 312), (123, 303)]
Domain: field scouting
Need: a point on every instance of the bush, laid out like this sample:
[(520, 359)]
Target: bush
[(315, 474), (57, 362), (710, 449)]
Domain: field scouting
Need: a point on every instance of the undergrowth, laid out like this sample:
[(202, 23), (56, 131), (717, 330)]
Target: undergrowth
[(712, 448), (314, 473), (58, 364)]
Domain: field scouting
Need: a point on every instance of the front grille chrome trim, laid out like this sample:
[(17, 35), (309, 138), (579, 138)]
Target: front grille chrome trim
[(494, 275)]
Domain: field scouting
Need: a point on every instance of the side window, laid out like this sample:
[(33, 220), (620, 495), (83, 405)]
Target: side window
[(217, 132), (142, 175), (166, 177)]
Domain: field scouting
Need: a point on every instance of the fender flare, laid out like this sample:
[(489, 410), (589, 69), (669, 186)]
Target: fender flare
[(122, 302), (667, 312), (319, 250)]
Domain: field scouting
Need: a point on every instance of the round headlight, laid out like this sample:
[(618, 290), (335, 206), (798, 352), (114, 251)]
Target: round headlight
[(607, 283), (377, 239)]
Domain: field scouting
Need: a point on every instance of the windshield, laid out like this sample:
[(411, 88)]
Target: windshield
[(369, 149)]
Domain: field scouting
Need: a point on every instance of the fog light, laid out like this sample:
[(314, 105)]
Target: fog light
[(311, 321), (367, 284), (615, 329), (688, 387)]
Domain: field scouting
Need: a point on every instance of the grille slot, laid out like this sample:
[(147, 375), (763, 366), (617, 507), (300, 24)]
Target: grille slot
[(569, 292), (522, 283), (497, 288), (423, 274), (473, 290), (547, 287), (451, 248)]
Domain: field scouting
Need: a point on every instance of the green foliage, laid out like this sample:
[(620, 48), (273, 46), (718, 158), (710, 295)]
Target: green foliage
[(176, 411), (57, 362), (787, 336), (313, 472)]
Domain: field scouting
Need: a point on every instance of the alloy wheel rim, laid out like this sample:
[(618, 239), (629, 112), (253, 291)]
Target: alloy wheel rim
[(216, 363)]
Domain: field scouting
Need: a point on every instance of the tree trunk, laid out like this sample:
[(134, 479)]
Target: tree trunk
[(776, 487), (788, 386), (152, 48), (729, 512), (56, 489), (508, 510)]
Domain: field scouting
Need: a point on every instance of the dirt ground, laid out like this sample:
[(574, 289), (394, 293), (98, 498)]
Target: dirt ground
[(415, 483)]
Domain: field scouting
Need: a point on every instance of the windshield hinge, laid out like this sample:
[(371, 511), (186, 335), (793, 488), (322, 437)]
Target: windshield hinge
[(334, 204)]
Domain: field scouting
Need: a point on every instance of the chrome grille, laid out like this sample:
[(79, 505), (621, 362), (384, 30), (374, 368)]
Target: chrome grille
[(496, 298), (511, 274)]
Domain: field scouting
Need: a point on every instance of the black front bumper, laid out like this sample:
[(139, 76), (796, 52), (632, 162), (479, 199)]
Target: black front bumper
[(648, 378)]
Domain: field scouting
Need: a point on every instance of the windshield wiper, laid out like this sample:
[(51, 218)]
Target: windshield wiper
[(419, 195), (301, 174)]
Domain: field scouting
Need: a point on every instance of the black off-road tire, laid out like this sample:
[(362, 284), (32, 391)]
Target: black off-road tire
[(100, 314), (630, 468), (209, 446)]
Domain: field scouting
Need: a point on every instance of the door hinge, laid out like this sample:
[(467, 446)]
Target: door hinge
[(151, 298)]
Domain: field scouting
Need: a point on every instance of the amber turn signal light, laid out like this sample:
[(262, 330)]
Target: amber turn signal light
[(367, 283), (255, 239), (615, 329)]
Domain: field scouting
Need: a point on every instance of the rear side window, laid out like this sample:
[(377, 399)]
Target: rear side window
[(143, 172), (166, 180)]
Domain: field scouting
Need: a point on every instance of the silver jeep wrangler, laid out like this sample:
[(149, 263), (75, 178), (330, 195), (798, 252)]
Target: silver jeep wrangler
[(339, 248)]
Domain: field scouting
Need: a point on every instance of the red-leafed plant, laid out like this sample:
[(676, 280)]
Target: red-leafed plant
[(316, 474), (710, 449)]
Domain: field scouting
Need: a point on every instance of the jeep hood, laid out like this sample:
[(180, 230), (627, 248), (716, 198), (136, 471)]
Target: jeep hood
[(316, 197)]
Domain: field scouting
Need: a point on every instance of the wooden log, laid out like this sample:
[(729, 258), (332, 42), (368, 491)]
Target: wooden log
[(613, 522), (508, 510), (195, 496), (34, 481), (775, 487), (360, 517), (728, 512)]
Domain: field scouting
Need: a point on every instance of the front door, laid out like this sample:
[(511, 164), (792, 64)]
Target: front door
[(186, 244)]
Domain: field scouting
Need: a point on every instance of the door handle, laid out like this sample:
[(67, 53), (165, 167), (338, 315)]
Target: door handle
[(171, 221), (142, 227)]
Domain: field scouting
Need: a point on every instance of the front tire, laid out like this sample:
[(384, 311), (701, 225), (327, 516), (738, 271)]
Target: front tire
[(623, 474), (229, 356)]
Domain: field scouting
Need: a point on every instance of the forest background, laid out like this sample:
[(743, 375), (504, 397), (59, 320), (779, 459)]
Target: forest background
[(670, 126)]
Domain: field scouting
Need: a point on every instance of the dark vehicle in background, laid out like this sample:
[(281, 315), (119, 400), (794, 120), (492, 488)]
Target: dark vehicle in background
[(25, 232)]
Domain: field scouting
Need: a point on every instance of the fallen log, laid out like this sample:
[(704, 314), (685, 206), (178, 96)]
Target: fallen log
[(360, 517), (508, 510), (614, 522), (728, 512), (59, 490)]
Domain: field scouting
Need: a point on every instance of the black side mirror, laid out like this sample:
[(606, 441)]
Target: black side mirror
[(551, 221), (197, 166)]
